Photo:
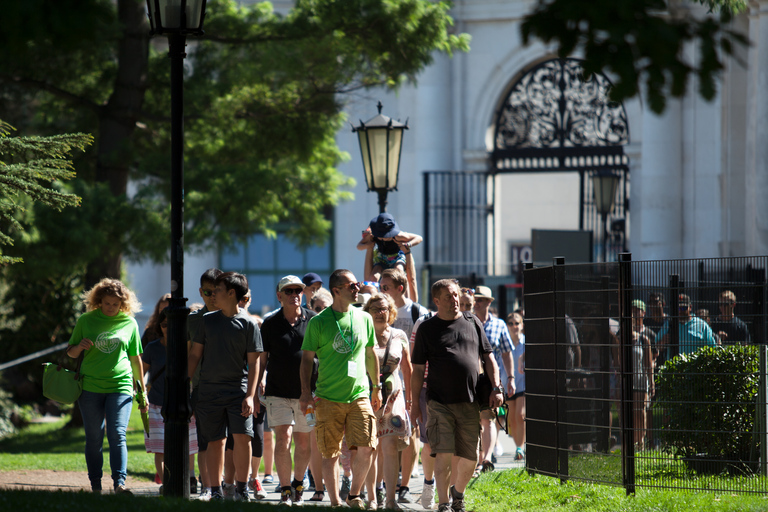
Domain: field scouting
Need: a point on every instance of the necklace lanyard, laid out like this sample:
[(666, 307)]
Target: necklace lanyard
[(351, 346)]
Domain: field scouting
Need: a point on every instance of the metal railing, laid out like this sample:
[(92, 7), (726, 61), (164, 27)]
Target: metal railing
[(629, 383)]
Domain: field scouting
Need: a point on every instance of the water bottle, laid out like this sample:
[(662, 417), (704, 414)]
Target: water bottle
[(309, 414)]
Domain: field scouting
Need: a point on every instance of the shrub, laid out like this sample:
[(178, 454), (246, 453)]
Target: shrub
[(707, 404)]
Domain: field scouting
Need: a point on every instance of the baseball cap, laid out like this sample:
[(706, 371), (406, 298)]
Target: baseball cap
[(384, 226), (638, 304), (311, 278), (483, 292), (289, 281)]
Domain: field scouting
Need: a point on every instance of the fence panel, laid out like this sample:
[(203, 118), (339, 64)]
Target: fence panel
[(630, 382)]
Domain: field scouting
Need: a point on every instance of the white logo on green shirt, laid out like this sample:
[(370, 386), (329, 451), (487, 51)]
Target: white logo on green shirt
[(345, 346), (107, 342)]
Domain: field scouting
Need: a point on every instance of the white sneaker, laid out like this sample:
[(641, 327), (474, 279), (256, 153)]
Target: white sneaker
[(228, 491), (205, 494), (428, 496)]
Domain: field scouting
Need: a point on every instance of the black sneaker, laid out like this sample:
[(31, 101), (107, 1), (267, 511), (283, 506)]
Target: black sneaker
[(296, 495), (217, 496), (286, 493), (457, 504), (192, 485), (404, 495), (243, 495)]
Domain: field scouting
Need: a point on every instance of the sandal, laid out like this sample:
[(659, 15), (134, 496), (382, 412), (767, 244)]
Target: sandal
[(318, 496), (487, 466), (478, 469)]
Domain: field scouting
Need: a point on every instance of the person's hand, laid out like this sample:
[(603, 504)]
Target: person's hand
[(497, 398), (304, 400), (256, 407), (247, 407), (85, 344), (415, 412), (376, 399), (510, 385)]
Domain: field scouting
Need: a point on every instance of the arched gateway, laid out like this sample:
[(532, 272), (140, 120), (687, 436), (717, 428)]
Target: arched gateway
[(555, 120)]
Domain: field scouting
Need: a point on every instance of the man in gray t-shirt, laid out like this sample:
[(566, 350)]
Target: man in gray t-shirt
[(229, 343)]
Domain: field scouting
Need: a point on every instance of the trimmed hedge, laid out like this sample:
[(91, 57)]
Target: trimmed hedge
[(707, 403)]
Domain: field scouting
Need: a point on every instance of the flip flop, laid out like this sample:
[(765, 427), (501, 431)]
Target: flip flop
[(318, 496)]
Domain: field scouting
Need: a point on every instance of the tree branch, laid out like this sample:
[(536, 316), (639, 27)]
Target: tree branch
[(56, 91)]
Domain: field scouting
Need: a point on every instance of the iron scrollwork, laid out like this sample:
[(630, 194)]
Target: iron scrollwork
[(555, 106)]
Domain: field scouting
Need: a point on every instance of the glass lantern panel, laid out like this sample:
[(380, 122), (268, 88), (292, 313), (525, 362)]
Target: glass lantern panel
[(378, 147)]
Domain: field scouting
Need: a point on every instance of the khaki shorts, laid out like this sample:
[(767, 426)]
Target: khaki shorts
[(335, 420), (454, 428), (286, 411)]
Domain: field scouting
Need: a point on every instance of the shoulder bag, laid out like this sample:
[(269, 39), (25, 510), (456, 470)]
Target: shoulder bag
[(61, 384)]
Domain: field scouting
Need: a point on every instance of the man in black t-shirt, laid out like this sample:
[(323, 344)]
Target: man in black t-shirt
[(452, 343), (727, 326), (283, 334)]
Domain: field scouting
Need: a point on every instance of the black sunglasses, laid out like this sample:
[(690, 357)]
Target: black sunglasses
[(207, 293), (292, 291)]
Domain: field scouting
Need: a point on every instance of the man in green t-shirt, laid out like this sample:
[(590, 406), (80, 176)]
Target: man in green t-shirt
[(342, 338)]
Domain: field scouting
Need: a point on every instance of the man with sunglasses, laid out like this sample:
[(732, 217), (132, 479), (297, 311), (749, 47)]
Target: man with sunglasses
[(501, 343), (283, 335), (342, 338)]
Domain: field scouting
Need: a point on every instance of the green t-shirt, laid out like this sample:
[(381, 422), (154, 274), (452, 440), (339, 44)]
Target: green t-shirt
[(106, 367), (340, 345)]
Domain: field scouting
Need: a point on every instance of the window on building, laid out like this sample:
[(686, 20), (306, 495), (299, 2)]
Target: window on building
[(265, 260)]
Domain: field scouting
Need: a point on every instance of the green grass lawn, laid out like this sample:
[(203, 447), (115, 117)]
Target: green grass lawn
[(50, 446)]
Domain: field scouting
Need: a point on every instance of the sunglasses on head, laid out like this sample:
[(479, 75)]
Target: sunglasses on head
[(468, 291)]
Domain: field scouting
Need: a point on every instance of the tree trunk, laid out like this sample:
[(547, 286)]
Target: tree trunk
[(117, 119)]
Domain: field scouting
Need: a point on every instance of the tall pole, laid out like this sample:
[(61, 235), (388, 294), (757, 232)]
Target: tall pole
[(176, 408), (382, 199), (605, 237)]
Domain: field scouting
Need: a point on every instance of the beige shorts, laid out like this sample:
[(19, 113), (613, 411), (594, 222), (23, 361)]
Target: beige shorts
[(454, 428), (286, 411), (335, 420)]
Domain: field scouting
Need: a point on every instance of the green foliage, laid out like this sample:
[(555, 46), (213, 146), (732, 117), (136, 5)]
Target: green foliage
[(639, 43), (707, 402), (28, 168), (7, 409)]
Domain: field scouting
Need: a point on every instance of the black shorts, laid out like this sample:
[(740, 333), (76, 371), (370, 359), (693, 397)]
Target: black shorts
[(516, 396), (216, 413)]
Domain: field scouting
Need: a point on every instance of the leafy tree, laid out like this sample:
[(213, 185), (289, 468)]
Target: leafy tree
[(264, 95), (640, 42), (29, 166)]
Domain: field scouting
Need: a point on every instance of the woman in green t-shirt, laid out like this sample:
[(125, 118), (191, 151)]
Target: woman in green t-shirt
[(108, 335)]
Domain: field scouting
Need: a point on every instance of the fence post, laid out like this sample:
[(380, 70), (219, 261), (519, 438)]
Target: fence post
[(558, 269), (627, 394), (761, 413), (674, 317)]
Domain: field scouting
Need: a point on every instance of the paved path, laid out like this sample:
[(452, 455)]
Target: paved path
[(76, 481)]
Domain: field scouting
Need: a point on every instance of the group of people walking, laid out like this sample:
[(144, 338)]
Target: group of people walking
[(348, 384)]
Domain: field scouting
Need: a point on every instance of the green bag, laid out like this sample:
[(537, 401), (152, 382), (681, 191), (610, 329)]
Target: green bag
[(61, 384)]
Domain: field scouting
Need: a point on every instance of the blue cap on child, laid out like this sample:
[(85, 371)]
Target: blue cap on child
[(384, 226)]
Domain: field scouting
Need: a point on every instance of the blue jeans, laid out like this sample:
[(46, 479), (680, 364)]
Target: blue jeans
[(111, 411)]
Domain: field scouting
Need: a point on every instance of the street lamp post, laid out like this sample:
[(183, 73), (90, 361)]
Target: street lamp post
[(604, 185), (381, 141), (177, 19)]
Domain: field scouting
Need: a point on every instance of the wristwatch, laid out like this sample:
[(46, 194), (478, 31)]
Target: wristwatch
[(498, 389)]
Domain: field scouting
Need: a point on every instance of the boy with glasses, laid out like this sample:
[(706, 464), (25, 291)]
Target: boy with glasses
[(195, 318), (228, 342)]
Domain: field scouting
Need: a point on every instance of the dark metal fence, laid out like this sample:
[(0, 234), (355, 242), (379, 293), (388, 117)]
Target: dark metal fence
[(629, 382)]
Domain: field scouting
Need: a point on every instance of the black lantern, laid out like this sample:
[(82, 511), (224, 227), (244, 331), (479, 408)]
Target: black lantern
[(176, 16), (177, 19), (604, 185), (381, 141)]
